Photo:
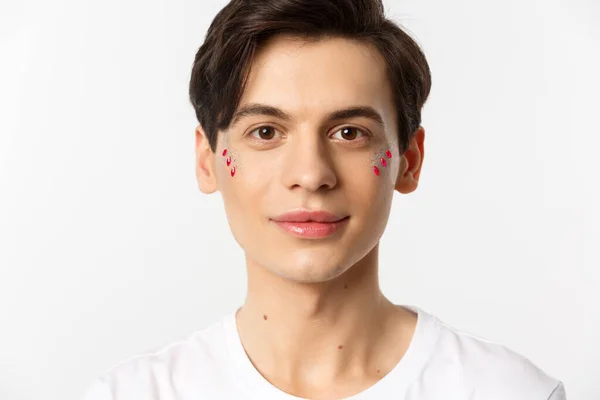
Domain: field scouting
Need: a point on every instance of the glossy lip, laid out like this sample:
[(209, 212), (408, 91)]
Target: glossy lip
[(310, 224)]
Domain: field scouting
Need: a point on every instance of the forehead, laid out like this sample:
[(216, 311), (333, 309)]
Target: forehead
[(318, 76)]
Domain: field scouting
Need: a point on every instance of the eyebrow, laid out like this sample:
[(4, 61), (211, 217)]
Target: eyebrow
[(253, 109)]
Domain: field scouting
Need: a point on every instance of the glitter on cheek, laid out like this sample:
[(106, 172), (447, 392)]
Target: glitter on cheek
[(231, 161), (378, 160)]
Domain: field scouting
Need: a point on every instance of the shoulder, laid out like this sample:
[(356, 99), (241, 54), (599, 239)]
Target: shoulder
[(165, 369), (490, 370)]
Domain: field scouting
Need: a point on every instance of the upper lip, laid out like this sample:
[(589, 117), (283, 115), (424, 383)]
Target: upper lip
[(308, 215)]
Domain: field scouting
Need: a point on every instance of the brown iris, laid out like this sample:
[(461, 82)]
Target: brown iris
[(349, 133), (266, 132)]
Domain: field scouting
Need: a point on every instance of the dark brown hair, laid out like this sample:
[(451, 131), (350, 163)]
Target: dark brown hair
[(222, 63)]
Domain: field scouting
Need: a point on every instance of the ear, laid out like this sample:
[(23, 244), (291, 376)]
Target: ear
[(205, 165), (410, 163)]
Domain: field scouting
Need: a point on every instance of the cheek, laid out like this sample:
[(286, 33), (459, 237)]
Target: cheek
[(381, 161), (371, 173), (244, 181), (373, 191), (243, 188), (369, 184), (231, 160), (234, 163)]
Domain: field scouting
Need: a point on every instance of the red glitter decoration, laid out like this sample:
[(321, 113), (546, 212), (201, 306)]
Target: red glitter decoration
[(383, 162), (233, 171), (376, 170), (228, 161), (388, 154), (224, 152)]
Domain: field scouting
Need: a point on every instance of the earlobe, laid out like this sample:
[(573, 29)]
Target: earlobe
[(410, 163), (205, 171)]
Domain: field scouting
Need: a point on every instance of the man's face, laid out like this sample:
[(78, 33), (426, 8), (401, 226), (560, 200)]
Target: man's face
[(275, 164)]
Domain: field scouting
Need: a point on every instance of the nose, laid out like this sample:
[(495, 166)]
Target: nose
[(308, 164)]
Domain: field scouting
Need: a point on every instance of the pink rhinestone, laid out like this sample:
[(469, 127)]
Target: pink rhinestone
[(376, 170), (224, 152), (228, 161), (388, 154), (233, 171), (383, 162)]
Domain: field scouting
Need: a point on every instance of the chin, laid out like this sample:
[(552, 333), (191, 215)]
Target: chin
[(310, 268)]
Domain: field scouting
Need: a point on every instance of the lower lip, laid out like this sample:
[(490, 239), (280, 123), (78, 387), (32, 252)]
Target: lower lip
[(312, 230)]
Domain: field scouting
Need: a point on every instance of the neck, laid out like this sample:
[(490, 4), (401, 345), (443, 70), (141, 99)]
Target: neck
[(317, 333)]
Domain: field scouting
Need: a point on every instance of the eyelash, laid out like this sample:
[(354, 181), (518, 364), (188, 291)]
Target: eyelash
[(365, 133)]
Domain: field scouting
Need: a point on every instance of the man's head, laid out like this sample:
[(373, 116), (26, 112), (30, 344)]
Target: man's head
[(308, 104)]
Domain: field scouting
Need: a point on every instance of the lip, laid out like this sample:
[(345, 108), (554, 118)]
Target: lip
[(302, 215), (310, 224)]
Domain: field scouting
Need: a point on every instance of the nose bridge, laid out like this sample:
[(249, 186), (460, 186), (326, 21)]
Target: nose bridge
[(308, 163)]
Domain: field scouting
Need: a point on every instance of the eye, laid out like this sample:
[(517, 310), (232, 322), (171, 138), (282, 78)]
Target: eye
[(349, 133), (265, 132)]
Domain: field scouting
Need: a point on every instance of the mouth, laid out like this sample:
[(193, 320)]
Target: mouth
[(311, 229)]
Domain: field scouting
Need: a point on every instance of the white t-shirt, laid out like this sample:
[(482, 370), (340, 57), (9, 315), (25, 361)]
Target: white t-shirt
[(441, 363)]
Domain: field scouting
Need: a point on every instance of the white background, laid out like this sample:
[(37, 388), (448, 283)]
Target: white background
[(108, 249)]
